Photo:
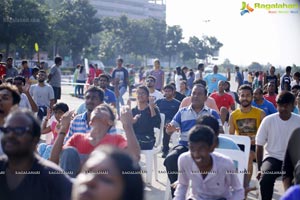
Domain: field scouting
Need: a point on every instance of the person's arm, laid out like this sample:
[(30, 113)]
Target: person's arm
[(228, 74), (231, 125), (174, 124), (32, 103), (288, 170), (183, 180), (46, 129), (163, 80), (133, 147), (52, 72), (259, 158), (58, 144)]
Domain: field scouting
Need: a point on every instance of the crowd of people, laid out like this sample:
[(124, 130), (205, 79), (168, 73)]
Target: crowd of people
[(88, 158)]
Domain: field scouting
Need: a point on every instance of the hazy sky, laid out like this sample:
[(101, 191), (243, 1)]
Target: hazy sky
[(257, 36)]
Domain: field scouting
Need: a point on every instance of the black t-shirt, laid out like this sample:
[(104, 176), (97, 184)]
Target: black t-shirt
[(179, 96), (46, 182), (169, 108)]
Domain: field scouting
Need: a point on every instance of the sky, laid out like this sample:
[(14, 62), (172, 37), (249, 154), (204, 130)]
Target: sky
[(257, 36)]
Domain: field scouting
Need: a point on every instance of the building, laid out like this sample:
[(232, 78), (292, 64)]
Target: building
[(134, 9)]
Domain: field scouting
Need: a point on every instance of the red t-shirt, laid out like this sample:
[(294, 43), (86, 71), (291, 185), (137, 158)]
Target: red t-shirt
[(225, 100), (81, 142), (2, 69), (272, 99)]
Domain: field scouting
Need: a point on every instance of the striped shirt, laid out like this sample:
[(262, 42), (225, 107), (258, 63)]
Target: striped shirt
[(186, 118)]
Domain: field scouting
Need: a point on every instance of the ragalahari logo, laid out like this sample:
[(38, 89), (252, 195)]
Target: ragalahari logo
[(245, 8)]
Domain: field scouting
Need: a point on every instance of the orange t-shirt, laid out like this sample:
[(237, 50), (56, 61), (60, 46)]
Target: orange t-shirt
[(81, 142)]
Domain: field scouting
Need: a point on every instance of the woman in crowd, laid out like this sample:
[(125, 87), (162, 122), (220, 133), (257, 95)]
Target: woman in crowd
[(145, 117)]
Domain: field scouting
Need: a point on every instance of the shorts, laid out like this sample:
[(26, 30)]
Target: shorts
[(252, 147), (57, 92)]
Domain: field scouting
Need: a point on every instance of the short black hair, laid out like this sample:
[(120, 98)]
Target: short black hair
[(297, 87), (200, 65), (104, 76), (35, 69), (169, 86), (152, 77), (9, 58), (297, 74), (227, 82), (20, 78), (260, 90), (288, 69), (24, 62), (200, 81), (96, 90), (285, 97), (246, 87), (120, 60), (61, 106), (210, 121), (202, 133), (142, 87), (57, 59), (14, 92)]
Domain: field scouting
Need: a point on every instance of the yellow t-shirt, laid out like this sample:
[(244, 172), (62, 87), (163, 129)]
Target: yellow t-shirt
[(246, 123)]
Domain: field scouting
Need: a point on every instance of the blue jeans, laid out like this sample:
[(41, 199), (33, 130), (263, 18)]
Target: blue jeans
[(79, 88), (120, 99), (70, 161)]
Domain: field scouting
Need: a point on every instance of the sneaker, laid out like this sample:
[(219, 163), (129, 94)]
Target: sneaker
[(164, 154)]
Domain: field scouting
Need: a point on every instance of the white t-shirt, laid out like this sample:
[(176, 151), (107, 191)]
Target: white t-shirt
[(42, 95), (275, 133), (177, 82), (157, 94), (245, 75)]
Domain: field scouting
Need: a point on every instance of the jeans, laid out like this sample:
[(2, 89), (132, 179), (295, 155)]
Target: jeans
[(273, 169), (70, 161), (120, 99), (171, 163), (79, 88), (166, 141)]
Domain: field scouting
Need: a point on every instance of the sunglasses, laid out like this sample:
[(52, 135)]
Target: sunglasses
[(19, 131), (149, 80)]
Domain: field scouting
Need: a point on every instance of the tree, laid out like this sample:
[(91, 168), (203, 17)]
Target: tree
[(24, 23), (173, 40), (76, 22)]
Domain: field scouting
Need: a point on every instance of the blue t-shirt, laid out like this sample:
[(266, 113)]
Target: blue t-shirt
[(169, 108), (293, 193), (296, 110), (109, 96), (267, 107), (212, 81)]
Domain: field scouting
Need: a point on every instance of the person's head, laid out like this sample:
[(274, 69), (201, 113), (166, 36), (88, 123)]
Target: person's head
[(35, 71), (295, 90), (42, 66), (212, 122), (156, 64), (103, 81), (201, 140), (221, 86), (178, 70), (25, 64), (102, 119), (285, 104), (58, 60), (215, 69), (296, 76), (93, 97), (288, 70), (286, 85), (21, 133), (120, 178), (227, 86), (256, 74), (19, 82), (96, 82), (169, 92), (59, 109), (258, 94), (237, 68), (42, 75), (271, 87), (272, 70), (9, 61), (9, 80), (185, 69), (150, 81), (245, 95), (9, 97), (183, 85), (198, 96), (200, 81), (142, 93), (119, 62), (200, 67)]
